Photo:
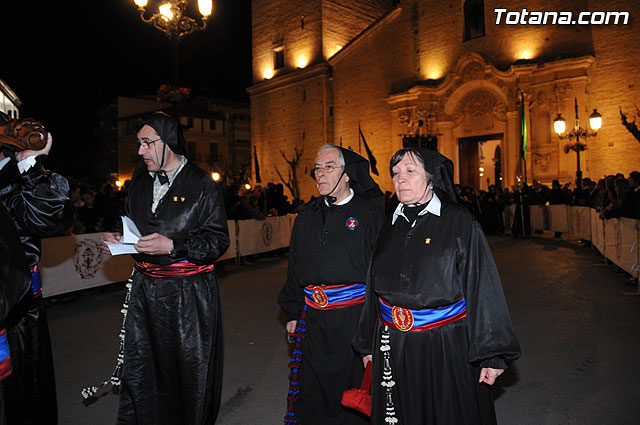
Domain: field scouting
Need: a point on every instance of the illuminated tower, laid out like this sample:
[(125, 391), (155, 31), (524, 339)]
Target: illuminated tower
[(291, 98)]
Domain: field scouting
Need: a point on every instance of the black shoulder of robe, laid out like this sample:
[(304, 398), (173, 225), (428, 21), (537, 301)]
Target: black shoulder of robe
[(36, 200), (192, 213)]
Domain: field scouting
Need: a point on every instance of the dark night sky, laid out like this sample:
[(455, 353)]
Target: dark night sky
[(66, 60)]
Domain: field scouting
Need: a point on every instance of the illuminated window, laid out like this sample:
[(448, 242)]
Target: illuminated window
[(278, 57), (473, 19)]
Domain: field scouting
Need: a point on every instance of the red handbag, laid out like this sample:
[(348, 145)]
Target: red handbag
[(360, 398)]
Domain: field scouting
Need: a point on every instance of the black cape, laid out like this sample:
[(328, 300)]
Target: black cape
[(434, 264), (37, 201), (15, 278), (324, 251), (172, 372)]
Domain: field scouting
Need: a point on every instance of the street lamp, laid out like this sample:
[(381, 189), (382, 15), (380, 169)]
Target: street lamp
[(577, 135), (171, 18)]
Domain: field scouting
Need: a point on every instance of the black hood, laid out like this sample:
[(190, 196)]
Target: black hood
[(357, 168), (168, 129), (441, 170)]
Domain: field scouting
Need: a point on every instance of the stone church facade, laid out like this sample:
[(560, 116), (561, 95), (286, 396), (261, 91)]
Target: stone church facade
[(333, 71)]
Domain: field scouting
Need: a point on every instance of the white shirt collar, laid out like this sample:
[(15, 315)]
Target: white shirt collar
[(23, 165), (434, 206), (345, 200), (4, 162)]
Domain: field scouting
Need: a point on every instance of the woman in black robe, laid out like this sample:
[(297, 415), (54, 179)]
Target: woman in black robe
[(447, 333)]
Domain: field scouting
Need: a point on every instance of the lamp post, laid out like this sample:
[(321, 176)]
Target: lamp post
[(577, 135), (171, 18)]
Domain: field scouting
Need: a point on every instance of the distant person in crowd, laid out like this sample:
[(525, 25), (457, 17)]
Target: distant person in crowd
[(172, 369), (36, 200), (634, 186), (580, 195), (435, 321), (601, 195), (624, 203), (493, 208), (331, 245), (106, 206), (88, 214), (521, 226), (557, 196)]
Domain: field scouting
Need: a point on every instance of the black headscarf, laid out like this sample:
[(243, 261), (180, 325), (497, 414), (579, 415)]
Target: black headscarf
[(168, 129), (357, 168), (170, 132), (438, 166)]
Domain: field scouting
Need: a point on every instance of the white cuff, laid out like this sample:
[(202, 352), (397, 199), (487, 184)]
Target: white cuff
[(26, 163)]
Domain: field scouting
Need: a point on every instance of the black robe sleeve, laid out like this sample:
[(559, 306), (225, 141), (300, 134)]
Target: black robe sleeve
[(492, 342), (15, 278), (363, 342), (36, 199), (291, 296)]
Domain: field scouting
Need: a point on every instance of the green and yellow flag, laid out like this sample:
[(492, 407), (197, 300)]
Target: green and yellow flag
[(523, 129)]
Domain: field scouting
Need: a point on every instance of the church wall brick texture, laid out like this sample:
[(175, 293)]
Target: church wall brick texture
[(383, 67)]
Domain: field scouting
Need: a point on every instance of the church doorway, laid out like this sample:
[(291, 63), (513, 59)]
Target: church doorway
[(480, 161)]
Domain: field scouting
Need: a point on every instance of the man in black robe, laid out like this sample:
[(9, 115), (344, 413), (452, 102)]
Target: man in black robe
[(15, 281), (172, 370), (36, 200), (331, 244), (435, 317)]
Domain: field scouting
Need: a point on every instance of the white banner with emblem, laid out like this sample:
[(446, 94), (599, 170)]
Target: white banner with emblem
[(76, 262), (72, 263), (256, 236)]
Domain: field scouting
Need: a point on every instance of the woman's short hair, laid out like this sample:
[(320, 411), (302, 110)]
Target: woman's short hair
[(415, 153)]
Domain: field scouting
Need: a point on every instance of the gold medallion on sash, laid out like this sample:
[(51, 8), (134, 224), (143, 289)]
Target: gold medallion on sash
[(402, 318), (320, 297)]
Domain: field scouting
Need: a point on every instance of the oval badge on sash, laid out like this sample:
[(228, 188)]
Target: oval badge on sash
[(402, 318), (320, 297)]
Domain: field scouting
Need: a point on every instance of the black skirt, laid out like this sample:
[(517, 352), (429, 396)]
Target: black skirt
[(172, 372), (434, 383)]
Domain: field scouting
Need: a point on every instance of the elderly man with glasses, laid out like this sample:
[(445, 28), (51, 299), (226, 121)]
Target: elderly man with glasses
[(331, 245), (172, 356)]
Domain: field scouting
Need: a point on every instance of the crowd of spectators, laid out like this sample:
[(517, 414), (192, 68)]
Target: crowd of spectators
[(612, 196), (98, 209)]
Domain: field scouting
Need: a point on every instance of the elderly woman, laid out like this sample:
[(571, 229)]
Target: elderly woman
[(435, 317)]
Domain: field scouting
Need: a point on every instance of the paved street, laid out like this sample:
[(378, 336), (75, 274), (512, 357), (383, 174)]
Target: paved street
[(580, 341)]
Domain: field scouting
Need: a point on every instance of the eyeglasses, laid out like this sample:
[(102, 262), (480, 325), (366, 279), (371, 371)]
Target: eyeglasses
[(327, 169), (144, 143)]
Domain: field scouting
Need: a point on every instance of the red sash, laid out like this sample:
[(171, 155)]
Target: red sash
[(182, 268)]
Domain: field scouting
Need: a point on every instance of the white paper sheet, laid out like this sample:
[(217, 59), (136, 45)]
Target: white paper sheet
[(130, 232), (121, 248)]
